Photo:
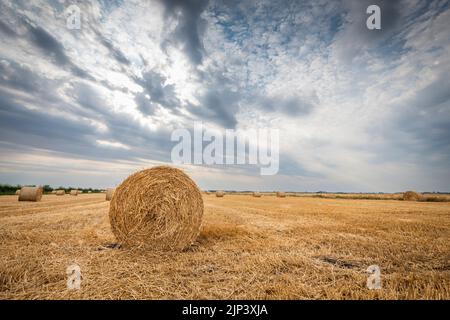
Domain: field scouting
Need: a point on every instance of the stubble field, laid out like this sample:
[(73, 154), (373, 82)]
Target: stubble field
[(248, 248)]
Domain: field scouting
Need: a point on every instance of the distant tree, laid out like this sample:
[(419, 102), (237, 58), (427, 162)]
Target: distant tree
[(6, 189)]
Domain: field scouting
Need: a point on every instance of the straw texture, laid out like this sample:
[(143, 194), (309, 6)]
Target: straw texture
[(159, 208)]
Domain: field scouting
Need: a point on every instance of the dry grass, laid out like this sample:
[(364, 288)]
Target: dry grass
[(267, 248)]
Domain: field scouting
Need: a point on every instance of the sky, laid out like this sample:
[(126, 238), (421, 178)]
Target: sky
[(357, 110)]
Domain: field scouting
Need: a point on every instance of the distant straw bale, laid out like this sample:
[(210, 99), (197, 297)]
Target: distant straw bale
[(30, 194), (220, 194), (109, 193), (411, 196)]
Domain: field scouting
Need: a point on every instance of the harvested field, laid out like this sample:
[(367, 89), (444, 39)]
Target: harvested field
[(248, 248)]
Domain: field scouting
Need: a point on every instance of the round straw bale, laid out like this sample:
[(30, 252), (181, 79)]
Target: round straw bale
[(89, 191), (159, 208), (73, 192), (53, 191), (220, 194), (79, 191), (411, 196), (30, 194), (110, 193), (281, 194), (17, 192), (257, 194), (60, 192)]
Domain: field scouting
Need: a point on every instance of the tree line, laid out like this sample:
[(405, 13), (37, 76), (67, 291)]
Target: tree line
[(6, 189)]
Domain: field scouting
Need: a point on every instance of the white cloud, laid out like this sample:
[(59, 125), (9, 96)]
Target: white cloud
[(112, 144)]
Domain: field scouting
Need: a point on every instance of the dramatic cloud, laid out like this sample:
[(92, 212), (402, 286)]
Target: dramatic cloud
[(357, 109), (218, 106), (186, 14), (160, 92), (49, 45), (115, 52), (7, 30)]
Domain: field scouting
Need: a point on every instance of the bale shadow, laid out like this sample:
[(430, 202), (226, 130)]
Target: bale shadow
[(212, 234)]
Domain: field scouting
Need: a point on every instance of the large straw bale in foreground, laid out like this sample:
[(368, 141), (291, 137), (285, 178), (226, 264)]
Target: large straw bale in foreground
[(411, 196), (30, 194), (220, 194), (109, 193), (159, 208)]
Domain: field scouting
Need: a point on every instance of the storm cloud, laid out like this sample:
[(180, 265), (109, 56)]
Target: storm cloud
[(190, 26)]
